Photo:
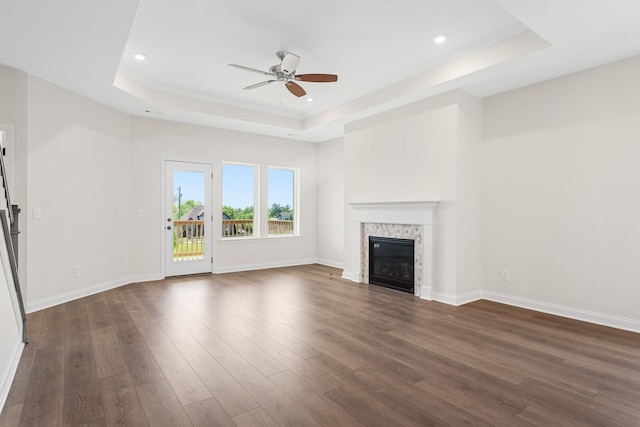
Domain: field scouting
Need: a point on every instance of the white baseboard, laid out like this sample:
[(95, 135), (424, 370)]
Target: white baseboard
[(329, 263), (43, 303), (347, 275), (9, 374), (456, 299), (564, 311), (541, 306), (354, 276), (264, 265), (442, 297), (145, 278), (468, 297)]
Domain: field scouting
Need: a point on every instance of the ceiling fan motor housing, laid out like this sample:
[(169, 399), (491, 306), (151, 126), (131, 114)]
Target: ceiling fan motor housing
[(289, 63)]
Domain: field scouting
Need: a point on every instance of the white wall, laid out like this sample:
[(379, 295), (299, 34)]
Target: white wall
[(330, 220), (78, 175), (469, 199), (404, 155), (153, 140), (562, 194)]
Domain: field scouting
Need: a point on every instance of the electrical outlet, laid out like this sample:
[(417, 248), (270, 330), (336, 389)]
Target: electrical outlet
[(505, 274), (37, 213), (76, 271), (255, 251)]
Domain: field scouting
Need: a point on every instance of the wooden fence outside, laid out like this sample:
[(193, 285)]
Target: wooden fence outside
[(188, 239), (277, 226), (237, 227), (244, 227), (188, 236)]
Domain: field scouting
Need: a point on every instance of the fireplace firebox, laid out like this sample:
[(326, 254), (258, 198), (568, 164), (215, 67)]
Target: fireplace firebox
[(391, 263)]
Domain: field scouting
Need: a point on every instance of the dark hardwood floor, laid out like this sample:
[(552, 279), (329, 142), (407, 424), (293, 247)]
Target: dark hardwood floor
[(301, 347)]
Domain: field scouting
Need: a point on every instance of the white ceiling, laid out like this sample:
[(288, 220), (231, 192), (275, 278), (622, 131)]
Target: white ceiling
[(382, 51)]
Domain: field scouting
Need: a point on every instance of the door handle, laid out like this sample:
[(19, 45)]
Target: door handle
[(168, 227)]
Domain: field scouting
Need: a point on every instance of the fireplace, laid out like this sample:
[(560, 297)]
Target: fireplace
[(391, 263), (413, 220)]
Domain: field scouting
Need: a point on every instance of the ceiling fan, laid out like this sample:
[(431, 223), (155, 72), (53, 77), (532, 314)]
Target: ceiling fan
[(285, 72)]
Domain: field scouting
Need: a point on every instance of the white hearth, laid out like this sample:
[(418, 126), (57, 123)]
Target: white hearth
[(403, 220)]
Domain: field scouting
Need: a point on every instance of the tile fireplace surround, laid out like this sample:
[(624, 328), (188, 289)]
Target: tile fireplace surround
[(402, 220)]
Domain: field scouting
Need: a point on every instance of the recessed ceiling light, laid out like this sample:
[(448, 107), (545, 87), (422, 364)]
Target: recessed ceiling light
[(440, 39), (310, 99), (140, 56)]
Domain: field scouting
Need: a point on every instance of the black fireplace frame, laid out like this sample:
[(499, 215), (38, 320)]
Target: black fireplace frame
[(391, 282)]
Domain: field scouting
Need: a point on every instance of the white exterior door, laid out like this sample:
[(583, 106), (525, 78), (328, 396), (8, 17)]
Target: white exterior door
[(187, 223)]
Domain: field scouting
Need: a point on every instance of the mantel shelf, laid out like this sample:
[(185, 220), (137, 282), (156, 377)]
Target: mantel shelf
[(414, 212), (409, 205)]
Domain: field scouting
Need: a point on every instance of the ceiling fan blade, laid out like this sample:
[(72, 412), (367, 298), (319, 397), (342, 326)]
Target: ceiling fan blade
[(318, 78), (260, 84), (295, 89), (242, 67), (289, 63)]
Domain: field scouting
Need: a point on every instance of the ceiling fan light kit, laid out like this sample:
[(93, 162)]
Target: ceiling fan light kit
[(285, 72)]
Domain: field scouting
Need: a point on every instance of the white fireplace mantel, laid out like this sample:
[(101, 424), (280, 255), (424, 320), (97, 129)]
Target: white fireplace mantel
[(410, 213), (395, 212)]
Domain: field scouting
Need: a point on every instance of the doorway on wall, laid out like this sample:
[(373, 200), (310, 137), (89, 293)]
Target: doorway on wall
[(188, 218)]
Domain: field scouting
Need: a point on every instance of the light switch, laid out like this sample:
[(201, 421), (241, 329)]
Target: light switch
[(37, 213)]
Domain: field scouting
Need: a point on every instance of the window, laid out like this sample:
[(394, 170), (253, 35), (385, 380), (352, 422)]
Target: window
[(281, 190), (238, 199)]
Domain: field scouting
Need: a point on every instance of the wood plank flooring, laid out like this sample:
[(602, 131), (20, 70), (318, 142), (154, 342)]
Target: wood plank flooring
[(300, 347)]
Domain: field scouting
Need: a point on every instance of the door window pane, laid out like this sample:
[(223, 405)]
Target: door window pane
[(188, 215), (238, 199), (281, 201)]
